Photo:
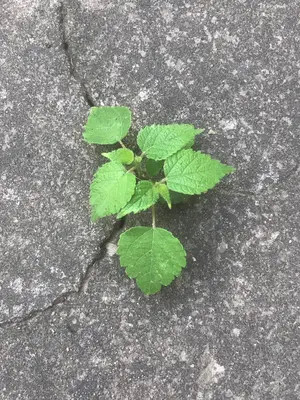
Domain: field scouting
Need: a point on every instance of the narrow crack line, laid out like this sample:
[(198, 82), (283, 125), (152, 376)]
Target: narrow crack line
[(118, 226), (63, 297), (62, 15), (34, 313)]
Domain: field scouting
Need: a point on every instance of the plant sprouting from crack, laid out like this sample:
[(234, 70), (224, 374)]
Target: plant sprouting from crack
[(129, 183)]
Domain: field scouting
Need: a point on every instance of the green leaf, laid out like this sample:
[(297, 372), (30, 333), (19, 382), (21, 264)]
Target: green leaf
[(145, 196), (192, 142), (192, 172), (151, 255), (107, 125), (164, 192), (111, 189), (177, 198), (124, 156), (159, 142), (153, 167)]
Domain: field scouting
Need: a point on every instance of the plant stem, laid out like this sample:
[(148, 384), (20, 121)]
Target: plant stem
[(122, 144), (153, 216), (131, 169), (163, 180)]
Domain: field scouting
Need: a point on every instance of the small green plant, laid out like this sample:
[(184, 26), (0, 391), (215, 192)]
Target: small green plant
[(131, 183)]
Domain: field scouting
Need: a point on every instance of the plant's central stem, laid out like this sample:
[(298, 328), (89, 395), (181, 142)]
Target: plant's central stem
[(153, 217)]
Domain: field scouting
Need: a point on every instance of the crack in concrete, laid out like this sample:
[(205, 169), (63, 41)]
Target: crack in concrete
[(118, 226), (62, 15), (83, 282)]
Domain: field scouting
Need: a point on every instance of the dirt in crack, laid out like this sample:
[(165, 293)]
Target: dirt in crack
[(118, 226), (62, 14), (63, 297)]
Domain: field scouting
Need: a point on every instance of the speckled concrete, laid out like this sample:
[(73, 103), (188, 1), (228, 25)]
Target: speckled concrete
[(47, 240), (228, 328)]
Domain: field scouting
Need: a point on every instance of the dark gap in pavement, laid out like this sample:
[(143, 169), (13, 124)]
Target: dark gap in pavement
[(84, 279), (62, 13)]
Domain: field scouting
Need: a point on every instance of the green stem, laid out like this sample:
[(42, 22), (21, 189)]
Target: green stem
[(122, 144), (153, 217), (163, 180), (131, 169)]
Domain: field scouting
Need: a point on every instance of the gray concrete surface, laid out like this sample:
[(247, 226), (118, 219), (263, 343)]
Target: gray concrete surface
[(72, 325)]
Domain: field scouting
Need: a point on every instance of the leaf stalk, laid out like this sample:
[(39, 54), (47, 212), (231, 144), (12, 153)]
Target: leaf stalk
[(163, 180), (122, 144), (153, 217)]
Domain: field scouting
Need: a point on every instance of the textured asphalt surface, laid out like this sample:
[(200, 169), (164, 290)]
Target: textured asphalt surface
[(72, 325)]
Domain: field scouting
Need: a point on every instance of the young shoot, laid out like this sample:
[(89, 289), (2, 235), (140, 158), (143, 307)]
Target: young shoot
[(131, 183)]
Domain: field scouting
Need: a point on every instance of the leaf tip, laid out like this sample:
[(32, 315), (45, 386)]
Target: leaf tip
[(231, 169), (94, 216)]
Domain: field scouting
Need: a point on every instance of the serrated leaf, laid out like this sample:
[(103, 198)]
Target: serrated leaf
[(153, 256), (164, 192), (124, 156), (111, 188), (177, 198), (192, 172), (161, 141), (145, 196), (107, 125), (153, 167), (192, 142)]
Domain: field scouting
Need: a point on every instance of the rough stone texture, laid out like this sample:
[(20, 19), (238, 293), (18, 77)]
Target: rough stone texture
[(46, 236), (228, 328), (230, 66)]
